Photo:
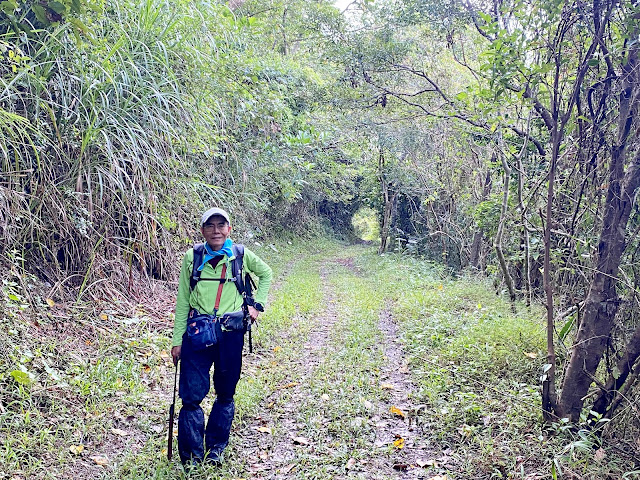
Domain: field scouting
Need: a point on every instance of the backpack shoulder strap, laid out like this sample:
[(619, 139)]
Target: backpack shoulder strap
[(236, 266), (244, 282), (198, 253)]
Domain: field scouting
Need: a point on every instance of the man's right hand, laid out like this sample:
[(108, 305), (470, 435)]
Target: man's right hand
[(175, 353)]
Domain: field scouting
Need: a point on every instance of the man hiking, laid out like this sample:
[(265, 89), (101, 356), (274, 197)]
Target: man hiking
[(214, 308)]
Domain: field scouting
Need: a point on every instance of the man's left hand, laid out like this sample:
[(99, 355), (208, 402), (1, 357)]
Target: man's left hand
[(253, 313)]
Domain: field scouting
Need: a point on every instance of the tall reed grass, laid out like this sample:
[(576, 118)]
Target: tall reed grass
[(112, 143)]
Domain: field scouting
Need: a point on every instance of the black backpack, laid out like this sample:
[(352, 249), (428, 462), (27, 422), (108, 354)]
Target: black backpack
[(245, 285)]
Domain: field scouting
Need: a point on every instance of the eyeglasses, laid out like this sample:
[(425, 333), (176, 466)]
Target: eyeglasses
[(210, 227)]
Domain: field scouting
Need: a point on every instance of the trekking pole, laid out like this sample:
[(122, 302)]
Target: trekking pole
[(172, 410)]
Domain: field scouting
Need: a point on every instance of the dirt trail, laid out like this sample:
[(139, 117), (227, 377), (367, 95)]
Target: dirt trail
[(275, 460), (403, 426)]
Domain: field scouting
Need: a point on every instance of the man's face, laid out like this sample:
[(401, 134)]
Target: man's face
[(215, 231)]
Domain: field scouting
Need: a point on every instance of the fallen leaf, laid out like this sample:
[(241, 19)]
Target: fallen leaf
[(104, 316), (301, 441), (258, 467), (350, 463), (399, 443), (397, 411), (599, 455), (146, 368), (100, 459), (277, 349), (117, 431), (531, 354), (427, 463), (400, 466), (50, 302), (440, 287), (387, 386), (264, 429), (438, 477), (21, 377), (288, 468), (76, 449), (289, 385)]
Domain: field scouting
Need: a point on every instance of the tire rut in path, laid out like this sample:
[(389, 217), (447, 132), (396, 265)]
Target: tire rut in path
[(276, 462), (403, 428)]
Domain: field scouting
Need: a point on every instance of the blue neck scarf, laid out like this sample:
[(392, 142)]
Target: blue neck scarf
[(209, 253)]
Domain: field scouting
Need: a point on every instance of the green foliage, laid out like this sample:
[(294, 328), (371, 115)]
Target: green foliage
[(168, 108), (28, 16), (487, 213)]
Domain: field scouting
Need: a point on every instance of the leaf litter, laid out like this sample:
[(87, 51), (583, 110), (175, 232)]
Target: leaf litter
[(395, 425)]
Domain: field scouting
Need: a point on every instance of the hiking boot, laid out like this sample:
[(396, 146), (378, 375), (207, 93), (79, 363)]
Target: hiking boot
[(213, 458), (191, 465)]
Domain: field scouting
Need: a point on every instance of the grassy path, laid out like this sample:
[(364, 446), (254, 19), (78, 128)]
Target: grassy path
[(336, 392), (364, 367), (320, 416)]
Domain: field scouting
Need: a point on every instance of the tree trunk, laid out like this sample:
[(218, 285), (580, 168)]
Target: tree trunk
[(524, 236), (549, 395), (388, 201), (601, 304), (623, 369), (476, 246), (497, 244)]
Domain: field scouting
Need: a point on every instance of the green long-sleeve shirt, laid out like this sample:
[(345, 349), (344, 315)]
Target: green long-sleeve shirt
[(203, 296)]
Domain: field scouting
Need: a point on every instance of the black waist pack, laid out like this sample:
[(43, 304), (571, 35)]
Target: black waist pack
[(233, 321), (203, 330)]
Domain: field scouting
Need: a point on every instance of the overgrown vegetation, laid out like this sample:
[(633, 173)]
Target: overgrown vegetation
[(315, 399), (491, 138), (112, 140)]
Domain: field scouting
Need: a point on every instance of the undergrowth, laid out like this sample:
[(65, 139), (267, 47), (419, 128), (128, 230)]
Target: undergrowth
[(477, 366), (85, 388)]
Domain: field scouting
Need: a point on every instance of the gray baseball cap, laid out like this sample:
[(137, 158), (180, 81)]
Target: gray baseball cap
[(214, 211)]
